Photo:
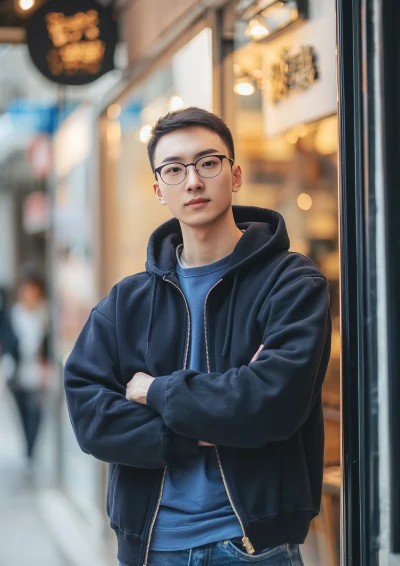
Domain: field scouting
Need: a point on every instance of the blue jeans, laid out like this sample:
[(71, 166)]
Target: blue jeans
[(29, 405), (226, 553)]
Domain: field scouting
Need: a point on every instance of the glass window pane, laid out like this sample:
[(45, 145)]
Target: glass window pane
[(295, 173)]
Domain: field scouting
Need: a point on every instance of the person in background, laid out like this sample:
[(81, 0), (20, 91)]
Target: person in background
[(30, 322), (8, 344)]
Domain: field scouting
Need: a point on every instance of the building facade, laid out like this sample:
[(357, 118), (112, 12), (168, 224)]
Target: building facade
[(301, 85)]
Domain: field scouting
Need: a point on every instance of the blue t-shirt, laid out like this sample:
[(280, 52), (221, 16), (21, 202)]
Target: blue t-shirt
[(195, 508)]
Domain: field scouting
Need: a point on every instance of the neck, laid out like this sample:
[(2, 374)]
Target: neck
[(203, 245)]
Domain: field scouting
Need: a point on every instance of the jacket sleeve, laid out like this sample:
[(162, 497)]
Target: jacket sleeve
[(106, 424), (264, 401), (8, 338)]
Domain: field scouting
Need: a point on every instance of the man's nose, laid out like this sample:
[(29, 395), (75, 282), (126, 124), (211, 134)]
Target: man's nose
[(193, 179)]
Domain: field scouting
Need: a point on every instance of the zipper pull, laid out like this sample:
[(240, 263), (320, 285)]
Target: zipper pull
[(248, 546)]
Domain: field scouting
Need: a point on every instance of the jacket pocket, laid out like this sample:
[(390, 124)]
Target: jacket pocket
[(297, 473), (268, 481), (132, 496)]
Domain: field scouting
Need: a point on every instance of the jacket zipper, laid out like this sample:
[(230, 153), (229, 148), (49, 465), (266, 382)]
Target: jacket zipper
[(245, 539), (153, 522)]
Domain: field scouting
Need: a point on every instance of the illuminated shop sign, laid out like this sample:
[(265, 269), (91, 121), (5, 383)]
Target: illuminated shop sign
[(72, 42), (298, 70), (293, 72)]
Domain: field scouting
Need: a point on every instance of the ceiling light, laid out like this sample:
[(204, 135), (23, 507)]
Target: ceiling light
[(145, 133), (244, 86), (26, 4), (266, 18), (281, 15), (257, 29), (176, 103), (304, 201)]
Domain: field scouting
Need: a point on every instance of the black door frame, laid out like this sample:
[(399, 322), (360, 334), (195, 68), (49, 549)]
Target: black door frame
[(357, 166), (390, 46), (369, 118)]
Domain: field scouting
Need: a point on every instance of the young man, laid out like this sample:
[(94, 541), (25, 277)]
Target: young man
[(199, 380)]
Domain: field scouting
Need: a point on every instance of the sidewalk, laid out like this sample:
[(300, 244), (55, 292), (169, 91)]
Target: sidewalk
[(39, 525), (24, 537)]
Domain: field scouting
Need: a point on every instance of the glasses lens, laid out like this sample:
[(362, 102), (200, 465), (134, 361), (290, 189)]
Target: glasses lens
[(209, 166), (173, 173)]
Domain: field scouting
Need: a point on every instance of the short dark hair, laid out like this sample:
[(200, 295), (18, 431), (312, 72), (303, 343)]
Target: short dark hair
[(186, 118)]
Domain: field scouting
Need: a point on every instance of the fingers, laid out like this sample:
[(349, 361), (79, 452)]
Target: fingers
[(254, 358)]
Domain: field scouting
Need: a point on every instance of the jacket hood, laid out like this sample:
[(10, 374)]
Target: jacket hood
[(265, 234)]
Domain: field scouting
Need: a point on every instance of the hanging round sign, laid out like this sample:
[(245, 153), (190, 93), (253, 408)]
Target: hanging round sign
[(72, 42)]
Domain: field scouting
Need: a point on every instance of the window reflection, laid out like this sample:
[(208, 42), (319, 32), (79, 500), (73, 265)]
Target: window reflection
[(295, 173)]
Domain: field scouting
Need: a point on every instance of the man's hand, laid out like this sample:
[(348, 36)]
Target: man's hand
[(138, 387), (201, 443), (254, 358)]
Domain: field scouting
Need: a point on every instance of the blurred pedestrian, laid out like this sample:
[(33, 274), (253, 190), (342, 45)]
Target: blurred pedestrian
[(8, 344), (199, 380), (30, 322)]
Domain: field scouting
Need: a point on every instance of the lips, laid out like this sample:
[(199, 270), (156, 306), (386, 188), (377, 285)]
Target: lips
[(197, 201)]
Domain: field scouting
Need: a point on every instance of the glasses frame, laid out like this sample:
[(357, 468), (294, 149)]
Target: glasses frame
[(186, 165)]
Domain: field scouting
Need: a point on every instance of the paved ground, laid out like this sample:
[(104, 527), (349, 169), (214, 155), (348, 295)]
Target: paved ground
[(24, 537), (39, 525)]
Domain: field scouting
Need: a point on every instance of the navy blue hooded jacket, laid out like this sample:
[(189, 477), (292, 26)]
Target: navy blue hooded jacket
[(265, 417)]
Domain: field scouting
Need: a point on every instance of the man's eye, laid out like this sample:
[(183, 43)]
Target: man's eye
[(209, 163), (173, 170)]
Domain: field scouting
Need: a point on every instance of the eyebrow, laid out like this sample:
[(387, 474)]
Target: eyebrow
[(197, 155)]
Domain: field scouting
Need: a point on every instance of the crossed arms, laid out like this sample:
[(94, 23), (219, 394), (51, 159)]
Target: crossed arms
[(138, 388), (246, 407)]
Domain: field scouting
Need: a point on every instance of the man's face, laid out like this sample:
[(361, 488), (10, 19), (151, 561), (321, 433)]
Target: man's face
[(186, 145)]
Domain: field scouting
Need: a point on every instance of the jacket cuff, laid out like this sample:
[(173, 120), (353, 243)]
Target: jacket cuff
[(156, 395), (180, 446)]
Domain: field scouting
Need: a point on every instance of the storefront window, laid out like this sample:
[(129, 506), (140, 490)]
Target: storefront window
[(286, 142), (76, 292), (131, 212)]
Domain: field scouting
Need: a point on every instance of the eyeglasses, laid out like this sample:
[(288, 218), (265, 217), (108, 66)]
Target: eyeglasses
[(207, 167)]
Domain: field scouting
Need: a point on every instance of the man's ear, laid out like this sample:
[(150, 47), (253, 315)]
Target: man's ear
[(236, 178), (158, 193)]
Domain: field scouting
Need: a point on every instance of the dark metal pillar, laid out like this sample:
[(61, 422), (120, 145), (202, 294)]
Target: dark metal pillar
[(357, 78), (351, 197), (390, 47)]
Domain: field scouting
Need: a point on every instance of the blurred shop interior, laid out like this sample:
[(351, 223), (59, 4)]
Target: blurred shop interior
[(76, 186), (286, 142)]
